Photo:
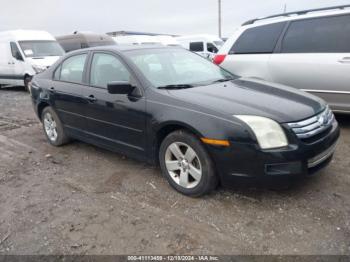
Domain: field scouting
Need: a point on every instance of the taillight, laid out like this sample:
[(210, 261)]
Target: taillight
[(218, 59)]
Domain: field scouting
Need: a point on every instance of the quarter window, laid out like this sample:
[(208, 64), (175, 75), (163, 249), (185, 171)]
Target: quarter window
[(73, 69), (318, 35), (258, 40), (107, 68), (197, 46)]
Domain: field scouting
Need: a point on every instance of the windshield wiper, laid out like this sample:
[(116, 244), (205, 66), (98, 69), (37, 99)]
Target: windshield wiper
[(180, 86), (224, 80)]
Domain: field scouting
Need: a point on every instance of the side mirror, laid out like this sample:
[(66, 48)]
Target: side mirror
[(120, 87), (18, 56)]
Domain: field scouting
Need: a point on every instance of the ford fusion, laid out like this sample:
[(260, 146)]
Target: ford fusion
[(168, 106)]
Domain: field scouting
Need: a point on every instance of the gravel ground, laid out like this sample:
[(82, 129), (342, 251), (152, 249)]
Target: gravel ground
[(79, 199)]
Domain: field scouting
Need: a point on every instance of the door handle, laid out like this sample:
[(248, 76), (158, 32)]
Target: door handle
[(345, 60), (52, 90), (91, 98)]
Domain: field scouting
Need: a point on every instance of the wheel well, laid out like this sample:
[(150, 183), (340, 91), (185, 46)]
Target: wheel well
[(165, 131), (41, 107), (26, 75)]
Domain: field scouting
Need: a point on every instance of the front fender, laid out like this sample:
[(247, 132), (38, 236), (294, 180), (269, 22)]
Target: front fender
[(204, 124)]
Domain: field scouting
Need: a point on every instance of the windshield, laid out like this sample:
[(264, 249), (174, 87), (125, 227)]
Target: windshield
[(177, 67), (41, 48)]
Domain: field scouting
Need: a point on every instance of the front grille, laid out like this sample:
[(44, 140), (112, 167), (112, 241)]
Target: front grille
[(314, 128)]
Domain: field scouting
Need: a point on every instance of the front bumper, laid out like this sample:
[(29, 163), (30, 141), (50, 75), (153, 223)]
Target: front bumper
[(298, 159)]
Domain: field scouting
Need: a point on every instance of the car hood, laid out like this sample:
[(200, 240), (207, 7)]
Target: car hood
[(43, 62), (250, 96)]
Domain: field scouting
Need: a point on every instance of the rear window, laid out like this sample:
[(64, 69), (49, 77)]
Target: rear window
[(258, 40), (318, 35)]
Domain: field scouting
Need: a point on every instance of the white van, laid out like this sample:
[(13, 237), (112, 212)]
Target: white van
[(24, 53), (308, 50), (205, 45)]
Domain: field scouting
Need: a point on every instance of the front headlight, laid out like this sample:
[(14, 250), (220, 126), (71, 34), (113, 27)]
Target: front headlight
[(267, 131), (38, 69)]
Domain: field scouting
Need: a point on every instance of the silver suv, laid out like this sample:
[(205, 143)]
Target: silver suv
[(308, 50)]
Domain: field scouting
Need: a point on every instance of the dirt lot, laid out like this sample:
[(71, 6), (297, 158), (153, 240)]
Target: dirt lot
[(79, 199)]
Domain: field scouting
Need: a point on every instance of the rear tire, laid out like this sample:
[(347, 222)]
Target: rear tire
[(53, 127), (186, 164)]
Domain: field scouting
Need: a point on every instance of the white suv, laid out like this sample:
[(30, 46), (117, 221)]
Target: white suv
[(309, 50)]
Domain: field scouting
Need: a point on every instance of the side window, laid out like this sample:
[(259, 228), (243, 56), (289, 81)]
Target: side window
[(107, 68), (197, 46), (258, 40), (15, 51), (56, 75), (72, 69), (212, 48), (318, 35)]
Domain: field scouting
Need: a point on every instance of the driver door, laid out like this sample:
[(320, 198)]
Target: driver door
[(115, 121)]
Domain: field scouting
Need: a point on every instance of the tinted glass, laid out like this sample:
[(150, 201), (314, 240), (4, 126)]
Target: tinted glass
[(73, 69), (261, 39), (107, 68), (212, 48), (319, 35), (197, 46), (164, 67)]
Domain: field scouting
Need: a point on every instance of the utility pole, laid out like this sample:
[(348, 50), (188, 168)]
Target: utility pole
[(285, 8), (220, 29)]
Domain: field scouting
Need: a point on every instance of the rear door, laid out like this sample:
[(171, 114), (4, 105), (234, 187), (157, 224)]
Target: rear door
[(314, 55), (67, 90), (250, 53)]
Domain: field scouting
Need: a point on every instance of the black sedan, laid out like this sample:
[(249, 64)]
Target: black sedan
[(166, 105)]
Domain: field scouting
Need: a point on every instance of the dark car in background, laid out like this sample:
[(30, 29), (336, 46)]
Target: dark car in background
[(80, 40), (166, 105)]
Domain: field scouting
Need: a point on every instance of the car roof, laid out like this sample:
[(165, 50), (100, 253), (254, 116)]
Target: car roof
[(298, 15)]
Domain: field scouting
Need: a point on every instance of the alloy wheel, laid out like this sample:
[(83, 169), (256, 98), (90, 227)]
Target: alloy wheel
[(183, 165), (50, 127)]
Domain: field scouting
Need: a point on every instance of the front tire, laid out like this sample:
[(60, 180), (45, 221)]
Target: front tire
[(27, 80), (53, 127), (187, 165)]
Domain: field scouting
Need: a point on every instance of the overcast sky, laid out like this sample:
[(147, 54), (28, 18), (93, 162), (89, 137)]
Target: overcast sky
[(160, 16)]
